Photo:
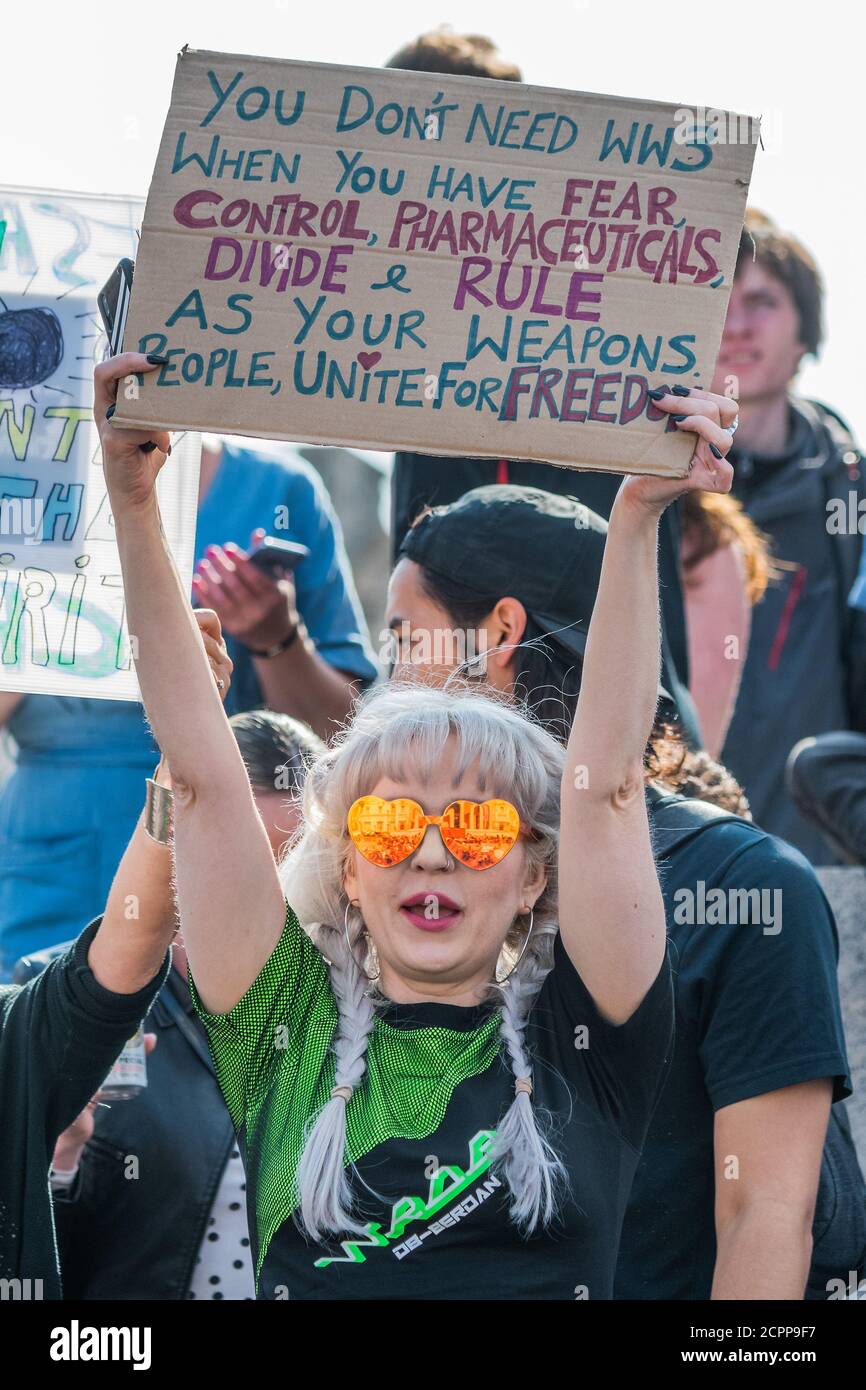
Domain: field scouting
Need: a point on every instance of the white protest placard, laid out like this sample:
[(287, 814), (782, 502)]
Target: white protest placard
[(62, 623), (449, 264)]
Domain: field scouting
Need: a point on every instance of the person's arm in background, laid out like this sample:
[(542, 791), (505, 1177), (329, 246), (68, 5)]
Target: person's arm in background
[(764, 1208), (772, 1053), (262, 613)]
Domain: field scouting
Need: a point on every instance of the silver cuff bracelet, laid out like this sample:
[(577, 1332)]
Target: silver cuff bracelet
[(157, 811)]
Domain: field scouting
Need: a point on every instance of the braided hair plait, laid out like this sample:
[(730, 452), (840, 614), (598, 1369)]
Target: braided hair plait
[(325, 1197), (531, 1166)]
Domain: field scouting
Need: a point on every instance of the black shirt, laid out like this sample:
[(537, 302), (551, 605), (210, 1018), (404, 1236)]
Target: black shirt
[(59, 1036), (757, 1009), (420, 1129)]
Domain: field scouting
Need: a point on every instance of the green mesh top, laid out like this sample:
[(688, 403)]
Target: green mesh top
[(420, 1131), (275, 1068)]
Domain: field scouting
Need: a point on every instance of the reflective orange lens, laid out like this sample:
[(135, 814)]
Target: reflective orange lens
[(386, 832), (477, 833)]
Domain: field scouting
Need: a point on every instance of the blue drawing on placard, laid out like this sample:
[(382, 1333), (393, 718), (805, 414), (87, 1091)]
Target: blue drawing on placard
[(31, 346)]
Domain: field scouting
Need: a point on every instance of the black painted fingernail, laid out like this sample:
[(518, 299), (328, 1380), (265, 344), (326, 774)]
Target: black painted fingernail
[(157, 361), (716, 452), (657, 394), (679, 418), (679, 390), (110, 411)]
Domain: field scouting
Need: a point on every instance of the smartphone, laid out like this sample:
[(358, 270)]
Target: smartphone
[(272, 555), (113, 300)]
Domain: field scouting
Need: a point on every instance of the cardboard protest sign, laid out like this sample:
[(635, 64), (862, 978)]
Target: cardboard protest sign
[(454, 265), (62, 629)]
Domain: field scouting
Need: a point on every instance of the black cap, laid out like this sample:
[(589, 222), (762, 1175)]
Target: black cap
[(535, 546)]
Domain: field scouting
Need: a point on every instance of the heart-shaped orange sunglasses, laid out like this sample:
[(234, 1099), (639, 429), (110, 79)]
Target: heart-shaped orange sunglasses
[(478, 834)]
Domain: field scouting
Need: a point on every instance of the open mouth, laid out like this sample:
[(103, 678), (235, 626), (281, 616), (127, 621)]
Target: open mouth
[(431, 911)]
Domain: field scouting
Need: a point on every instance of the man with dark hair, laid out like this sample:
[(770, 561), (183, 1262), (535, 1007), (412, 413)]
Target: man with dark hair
[(795, 464), (422, 480)]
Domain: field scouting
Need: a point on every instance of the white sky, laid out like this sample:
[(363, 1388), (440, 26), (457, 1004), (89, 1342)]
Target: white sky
[(85, 87)]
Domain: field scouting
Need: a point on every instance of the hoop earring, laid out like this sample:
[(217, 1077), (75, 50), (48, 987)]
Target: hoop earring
[(371, 978), (522, 949)]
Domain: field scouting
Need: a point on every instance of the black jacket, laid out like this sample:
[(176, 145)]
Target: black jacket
[(138, 1237), (805, 671), (59, 1036)]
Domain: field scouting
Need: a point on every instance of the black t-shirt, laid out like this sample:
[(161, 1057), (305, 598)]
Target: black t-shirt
[(757, 1009), (420, 1129)]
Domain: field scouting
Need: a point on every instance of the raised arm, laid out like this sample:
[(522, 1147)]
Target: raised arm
[(229, 897), (611, 912)]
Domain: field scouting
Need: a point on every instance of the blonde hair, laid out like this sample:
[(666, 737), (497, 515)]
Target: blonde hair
[(395, 727)]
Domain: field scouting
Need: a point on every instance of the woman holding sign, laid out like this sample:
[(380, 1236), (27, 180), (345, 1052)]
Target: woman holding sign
[(442, 1058)]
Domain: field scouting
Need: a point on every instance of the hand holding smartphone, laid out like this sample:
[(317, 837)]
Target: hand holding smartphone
[(271, 555)]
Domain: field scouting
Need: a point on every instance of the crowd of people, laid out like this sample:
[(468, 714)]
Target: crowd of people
[(503, 972)]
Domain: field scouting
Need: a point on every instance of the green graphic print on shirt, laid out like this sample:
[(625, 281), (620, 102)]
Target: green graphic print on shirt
[(446, 1183), (273, 1059)]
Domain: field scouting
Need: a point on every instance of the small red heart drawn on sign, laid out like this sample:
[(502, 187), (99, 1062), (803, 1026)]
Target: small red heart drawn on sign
[(369, 359)]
